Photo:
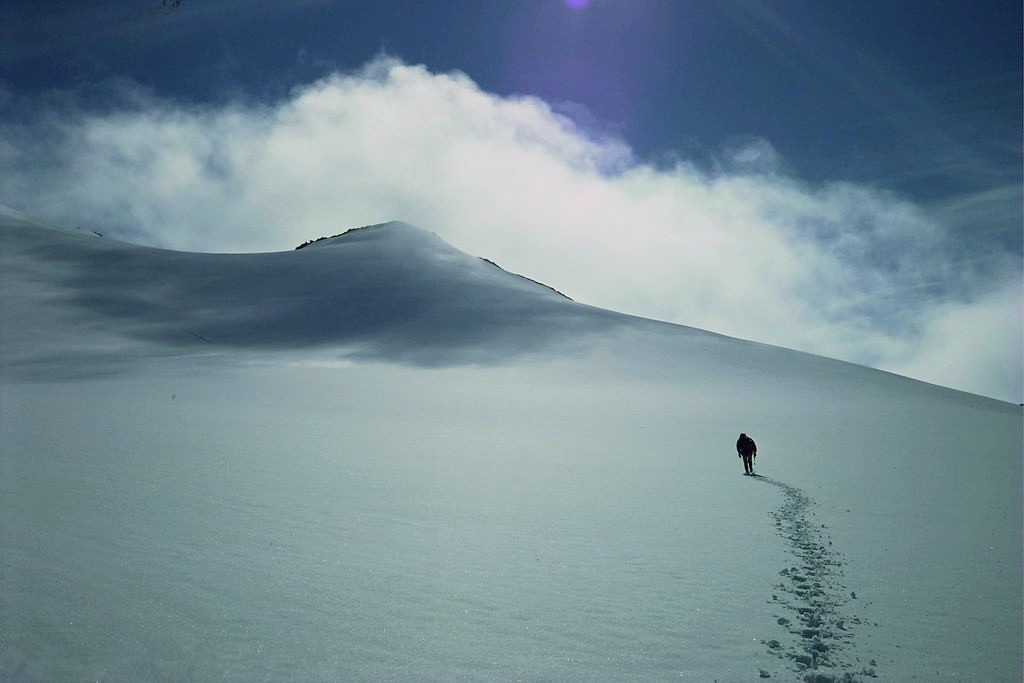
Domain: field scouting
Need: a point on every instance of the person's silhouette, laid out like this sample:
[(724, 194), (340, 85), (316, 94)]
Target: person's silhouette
[(747, 450)]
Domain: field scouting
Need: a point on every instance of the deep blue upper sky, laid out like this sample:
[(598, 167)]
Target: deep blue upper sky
[(921, 97)]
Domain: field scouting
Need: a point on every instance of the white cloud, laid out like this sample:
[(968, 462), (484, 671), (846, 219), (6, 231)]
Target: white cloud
[(744, 249), (971, 344)]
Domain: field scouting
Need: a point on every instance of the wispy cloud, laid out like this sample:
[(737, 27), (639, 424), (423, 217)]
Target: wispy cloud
[(742, 247)]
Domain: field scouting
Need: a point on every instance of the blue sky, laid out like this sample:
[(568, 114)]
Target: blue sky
[(923, 97), (876, 146)]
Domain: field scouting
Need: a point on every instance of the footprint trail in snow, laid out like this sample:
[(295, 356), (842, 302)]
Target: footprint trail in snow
[(811, 596)]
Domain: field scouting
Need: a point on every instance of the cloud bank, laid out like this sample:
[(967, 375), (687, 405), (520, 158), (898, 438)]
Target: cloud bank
[(738, 246)]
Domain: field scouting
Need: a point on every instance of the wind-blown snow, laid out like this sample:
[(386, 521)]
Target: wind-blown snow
[(380, 458)]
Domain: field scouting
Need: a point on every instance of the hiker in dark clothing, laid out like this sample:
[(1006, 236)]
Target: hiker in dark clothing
[(747, 449)]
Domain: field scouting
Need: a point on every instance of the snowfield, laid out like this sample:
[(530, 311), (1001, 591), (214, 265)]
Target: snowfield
[(379, 458)]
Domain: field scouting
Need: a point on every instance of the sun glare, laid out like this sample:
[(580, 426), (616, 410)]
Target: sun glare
[(577, 4)]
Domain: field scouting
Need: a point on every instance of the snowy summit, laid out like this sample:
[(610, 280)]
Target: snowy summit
[(378, 457)]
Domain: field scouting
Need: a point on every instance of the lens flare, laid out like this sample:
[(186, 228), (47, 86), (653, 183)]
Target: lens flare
[(577, 4)]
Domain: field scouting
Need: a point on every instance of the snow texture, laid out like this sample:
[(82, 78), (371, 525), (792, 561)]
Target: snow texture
[(379, 458)]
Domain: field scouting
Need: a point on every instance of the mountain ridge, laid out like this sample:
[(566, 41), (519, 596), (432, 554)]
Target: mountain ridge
[(390, 291), (394, 226), (386, 292), (408, 228)]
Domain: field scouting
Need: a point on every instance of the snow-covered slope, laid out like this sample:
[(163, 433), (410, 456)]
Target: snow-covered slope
[(390, 291), (377, 457)]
